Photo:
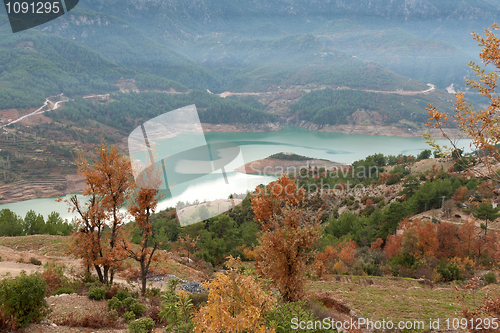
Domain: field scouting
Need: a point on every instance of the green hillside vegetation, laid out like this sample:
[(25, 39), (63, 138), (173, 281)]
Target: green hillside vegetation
[(33, 224), (335, 107), (289, 157), (34, 66), (126, 111), (123, 43)]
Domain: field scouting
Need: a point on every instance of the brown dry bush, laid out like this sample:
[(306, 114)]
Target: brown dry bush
[(53, 280), (153, 312), (6, 323), (111, 292), (91, 320)]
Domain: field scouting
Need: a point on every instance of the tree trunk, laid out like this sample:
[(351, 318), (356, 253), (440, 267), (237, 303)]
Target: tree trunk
[(99, 273), (106, 276), (144, 275)]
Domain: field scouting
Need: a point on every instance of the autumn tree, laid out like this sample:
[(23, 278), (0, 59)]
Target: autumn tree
[(188, 244), (468, 239), (377, 245), (347, 252), (271, 199), (393, 245), (482, 125), (143, 204), (98, 240), (448, 240), (236, 303), (322, 259), (289, 234), (427, 234), (286, 245), (460, 194)]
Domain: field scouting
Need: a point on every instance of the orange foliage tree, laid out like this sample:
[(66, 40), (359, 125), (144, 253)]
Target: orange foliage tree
[(377, 245), (100, 233), (322, 259), (271, 199), (347, 252), (448, 240), (393, 245), (285, 248), (482, 125), (460, 194), (468, 239), (236, 303), (188, 244), (428, 243), (142, 205), (289, 234)]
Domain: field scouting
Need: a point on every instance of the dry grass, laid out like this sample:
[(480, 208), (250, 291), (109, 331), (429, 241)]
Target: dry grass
[(41, 244), (91, 320), (396, 298)]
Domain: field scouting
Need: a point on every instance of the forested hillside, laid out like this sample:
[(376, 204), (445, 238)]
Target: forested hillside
[(123, 43), (34, 66), (334, 107), (127, 111)]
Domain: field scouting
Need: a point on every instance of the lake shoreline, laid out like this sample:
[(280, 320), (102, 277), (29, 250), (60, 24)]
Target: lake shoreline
[(344, 129), (256, 143)]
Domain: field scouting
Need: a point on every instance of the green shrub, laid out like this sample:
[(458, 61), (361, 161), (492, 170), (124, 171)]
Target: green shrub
[(128, 316), (490, 277), (113, 315), (35, 261), (122, 294), (143, 325), (23, 298), (199, 299), (128, 301), (64, 290), (131, 304), (369, 262), (153, 292), (97, 293), (282, 316), (449, 271), (114, 303), (176, 309), (137, 308)]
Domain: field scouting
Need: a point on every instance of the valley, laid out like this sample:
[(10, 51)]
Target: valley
[(331, 99)]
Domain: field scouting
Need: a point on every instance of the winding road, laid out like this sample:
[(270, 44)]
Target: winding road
[(53, 106), (56, 105)]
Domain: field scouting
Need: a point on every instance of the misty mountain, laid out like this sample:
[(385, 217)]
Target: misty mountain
[(122, 43), (253, 46)]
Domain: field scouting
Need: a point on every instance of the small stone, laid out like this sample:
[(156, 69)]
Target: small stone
[(53, 325)]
